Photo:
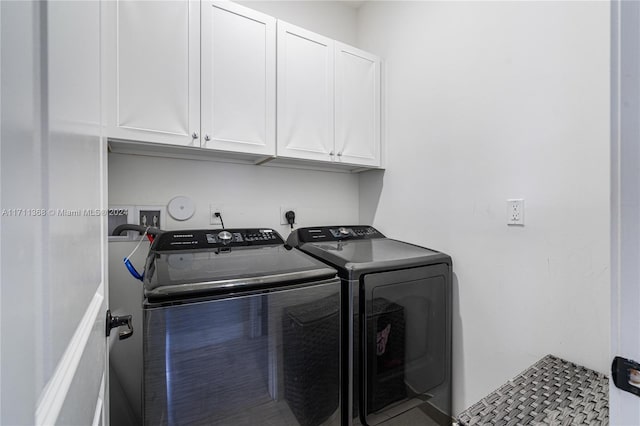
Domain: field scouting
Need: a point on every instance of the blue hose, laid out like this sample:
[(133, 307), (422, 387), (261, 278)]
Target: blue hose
[(132, 269)]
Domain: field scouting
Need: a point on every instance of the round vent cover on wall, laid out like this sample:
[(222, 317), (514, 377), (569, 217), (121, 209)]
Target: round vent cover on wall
[(181, 208)]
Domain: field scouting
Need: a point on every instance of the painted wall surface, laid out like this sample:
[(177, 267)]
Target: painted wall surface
[(247, 195), (20, 138), (333, 19), (487, 101)]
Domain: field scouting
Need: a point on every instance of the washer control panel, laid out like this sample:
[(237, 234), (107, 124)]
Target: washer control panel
[(216, 238), (337, 233)]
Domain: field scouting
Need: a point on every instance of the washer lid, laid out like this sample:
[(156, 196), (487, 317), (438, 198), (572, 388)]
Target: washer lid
[(178, 273), (355, 257)]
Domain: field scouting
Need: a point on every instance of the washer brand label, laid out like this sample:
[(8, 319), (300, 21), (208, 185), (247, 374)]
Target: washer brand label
[(183, 236), (382, 337)]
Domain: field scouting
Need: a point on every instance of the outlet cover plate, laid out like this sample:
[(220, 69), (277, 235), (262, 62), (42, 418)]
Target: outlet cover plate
[(283, 220), (515, 211)]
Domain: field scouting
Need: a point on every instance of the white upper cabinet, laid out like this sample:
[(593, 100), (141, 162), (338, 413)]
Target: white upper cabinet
[(328, 99), (216, 75), (357, 103), (152, 89), (305, 94), (238, 79)]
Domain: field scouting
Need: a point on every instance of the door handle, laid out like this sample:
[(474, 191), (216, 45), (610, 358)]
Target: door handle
[(119, 321), (626, 375)]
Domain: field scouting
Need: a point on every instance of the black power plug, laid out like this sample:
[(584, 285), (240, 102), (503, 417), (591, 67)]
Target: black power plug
[(219, 215), (291, 217)]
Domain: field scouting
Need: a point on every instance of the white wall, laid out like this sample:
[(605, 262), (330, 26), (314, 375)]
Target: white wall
[(247, 195), (487, 101), (21, 381)]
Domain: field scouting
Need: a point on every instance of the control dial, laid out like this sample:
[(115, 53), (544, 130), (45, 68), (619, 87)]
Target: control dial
[(343, 231), (225, 237)]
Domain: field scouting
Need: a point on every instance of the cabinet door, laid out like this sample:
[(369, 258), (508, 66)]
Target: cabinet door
[(238, 79), (357, 106), (153, 71), (305, 94)]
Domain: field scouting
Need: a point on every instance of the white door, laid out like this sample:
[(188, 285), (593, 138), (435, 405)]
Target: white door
[(52, 155), (238, 79), (305, 94), (152, 65), (357, 106), (625, 202)]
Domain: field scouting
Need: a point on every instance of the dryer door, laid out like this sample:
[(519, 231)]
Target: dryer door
[(405, 345)]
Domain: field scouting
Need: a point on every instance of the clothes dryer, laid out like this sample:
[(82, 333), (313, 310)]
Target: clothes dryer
[(396, 298)]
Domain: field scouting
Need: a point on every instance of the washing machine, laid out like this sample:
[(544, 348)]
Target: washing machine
[(239, 329), (397, 325)]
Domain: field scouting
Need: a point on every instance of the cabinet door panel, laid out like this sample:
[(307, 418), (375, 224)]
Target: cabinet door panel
[(153, 92), (238, 79), (357, 106), (305, 94)]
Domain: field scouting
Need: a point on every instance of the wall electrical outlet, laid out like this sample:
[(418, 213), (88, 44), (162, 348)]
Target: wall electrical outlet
[(213, 219), (283, 210), (515, 211)]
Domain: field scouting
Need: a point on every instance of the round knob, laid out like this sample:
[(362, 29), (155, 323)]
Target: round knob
[(207, 138), (195, 135), (225, 236), (340, 154), (343, 231), (331, 153)]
